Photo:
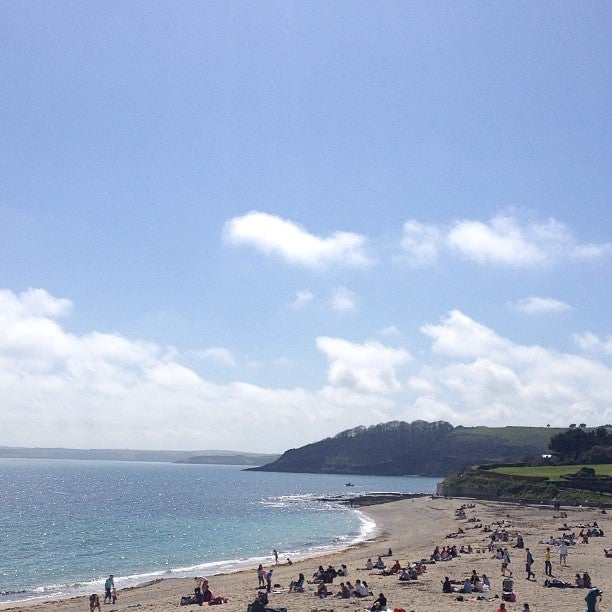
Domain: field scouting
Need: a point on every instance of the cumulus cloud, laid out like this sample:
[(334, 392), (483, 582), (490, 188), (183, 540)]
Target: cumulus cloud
[(539, 305), (275, 236), (343, 300), (66, 389), (369, 367), (503, 240), (487, 378), (592, 343)]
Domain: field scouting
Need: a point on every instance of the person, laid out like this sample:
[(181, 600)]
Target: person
[(586, 580), (289, 561), (115, 595), (94, 602), (297, 586), (369, 565), (396, 567), (343, 571), (447, 587), (275, 556), (344, 592), (467, 586), (486, 583), (109, 585), (322, 591), (502, 607), (608, 552), (563, 553), (528, 564), (380, 564), (259, 605), (592, 597), (578, 582), (379, 604), (526, 607), (505, 562), (547, 563), (269, 581), (261, 576), (360, 589)]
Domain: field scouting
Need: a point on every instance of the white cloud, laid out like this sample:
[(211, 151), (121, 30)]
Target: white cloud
[(369, 367), (486, 378), (421, 242), (302, 298), (591, 343), (272, 235), (539, 305), (133, 394), (343, 300), (503, 240)]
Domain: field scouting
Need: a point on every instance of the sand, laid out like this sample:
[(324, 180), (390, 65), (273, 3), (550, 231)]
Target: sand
[(411, 528)]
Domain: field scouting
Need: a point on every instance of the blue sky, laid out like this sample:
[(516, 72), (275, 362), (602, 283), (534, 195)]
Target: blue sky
[(253, 225)]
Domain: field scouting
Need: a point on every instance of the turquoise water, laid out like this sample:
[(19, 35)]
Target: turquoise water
[(66, 525)]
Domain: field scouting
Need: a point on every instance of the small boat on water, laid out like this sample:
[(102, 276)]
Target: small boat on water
[(349, 484)]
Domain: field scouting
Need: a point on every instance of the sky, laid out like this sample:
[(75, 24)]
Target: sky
[(252, 225)]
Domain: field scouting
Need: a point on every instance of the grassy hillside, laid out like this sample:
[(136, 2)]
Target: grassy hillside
[(552, 472), (528, 436)]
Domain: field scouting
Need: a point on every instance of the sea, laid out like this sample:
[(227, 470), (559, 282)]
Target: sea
[(66, 525)]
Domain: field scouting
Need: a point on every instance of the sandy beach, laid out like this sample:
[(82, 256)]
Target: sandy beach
[(412, 529)]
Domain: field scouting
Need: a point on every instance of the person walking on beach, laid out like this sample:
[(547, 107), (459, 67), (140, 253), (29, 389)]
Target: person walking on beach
[(275, 556), (109, 585), (547, 563), (528, 564), (563, 553)]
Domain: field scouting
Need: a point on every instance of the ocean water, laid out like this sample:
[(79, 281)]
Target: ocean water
[(66, 525)]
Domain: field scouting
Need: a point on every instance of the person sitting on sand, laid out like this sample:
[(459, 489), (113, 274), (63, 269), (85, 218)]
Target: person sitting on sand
[(379, 604), (360, 589), (608, 553), (258, 605), (578, 582), (380, 564), (369, 565), (486, 583), (350, 588), (297, 586), (447, 587), (322, 591), (396, 567), (344, 592), (467, 587), (94, 602), (502, 607), (586, 580)]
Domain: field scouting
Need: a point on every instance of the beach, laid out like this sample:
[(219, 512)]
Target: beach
[(411, 528)]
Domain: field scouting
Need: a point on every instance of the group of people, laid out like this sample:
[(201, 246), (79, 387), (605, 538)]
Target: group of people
[(202, 595), (110, 595)]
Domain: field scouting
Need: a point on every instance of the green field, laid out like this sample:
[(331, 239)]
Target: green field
[(532, 436), (553, 472)]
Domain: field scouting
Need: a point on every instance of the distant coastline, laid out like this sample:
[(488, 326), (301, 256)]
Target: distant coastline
[(223, 457)]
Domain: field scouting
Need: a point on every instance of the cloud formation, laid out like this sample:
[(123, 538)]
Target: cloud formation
[(272, 235), (369, 367), (503, 241), (343, 300), (540, 305), (486, 378), (592, 343), (63, 389)]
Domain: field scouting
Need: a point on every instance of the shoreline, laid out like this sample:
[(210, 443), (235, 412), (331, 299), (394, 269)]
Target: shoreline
[(411, 528)]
